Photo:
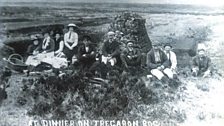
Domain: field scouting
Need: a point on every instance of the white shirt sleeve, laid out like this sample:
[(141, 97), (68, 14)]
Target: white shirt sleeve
[(74, 39), (173, 60), (66, 37)]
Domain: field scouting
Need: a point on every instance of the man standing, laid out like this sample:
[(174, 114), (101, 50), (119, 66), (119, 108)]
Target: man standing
[(201, 64), (71, 41), (110, 50), (157, 61), (170, 71)]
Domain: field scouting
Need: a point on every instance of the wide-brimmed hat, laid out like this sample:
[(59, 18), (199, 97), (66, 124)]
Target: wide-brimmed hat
[(58, 31), (156, 44), (46, 31), (33, 38), (72, 25), (167, 44), (110, 33), (86, 37), (130, 43), (130, 40), (201, 49)]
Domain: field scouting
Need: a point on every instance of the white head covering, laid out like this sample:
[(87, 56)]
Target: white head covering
[(129, 43), (72, 25), (110, 33)]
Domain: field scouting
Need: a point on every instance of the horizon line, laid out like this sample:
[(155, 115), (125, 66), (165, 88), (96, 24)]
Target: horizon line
[(107, 2)]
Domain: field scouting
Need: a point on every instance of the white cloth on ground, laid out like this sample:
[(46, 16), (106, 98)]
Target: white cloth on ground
[(112, 61), (56, 62)]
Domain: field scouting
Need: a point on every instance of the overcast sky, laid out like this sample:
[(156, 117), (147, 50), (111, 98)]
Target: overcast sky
[(196, 2)]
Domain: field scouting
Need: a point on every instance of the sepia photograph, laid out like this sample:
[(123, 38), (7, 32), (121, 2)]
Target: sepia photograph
[(111, 62)]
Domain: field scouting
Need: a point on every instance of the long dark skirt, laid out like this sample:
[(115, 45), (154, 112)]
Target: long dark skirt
[(69, 53)]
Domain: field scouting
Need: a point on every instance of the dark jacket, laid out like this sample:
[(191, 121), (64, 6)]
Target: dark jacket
[(135, 56), (57, 43), (31, 48), (111, 48), (152, 64), (82, 50), (49, 48), (203, 63)]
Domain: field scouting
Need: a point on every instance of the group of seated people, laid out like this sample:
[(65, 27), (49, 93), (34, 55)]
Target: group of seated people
[(53, 48), (161, 63), (164, 63)]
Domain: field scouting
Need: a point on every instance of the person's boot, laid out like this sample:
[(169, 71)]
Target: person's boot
[(175, 77), (165, 80), (194, 74)]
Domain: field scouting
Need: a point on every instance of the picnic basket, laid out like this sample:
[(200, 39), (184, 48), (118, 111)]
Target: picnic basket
[(16, 62)]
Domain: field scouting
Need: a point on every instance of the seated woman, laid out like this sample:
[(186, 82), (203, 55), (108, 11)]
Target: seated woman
[(86, 53), (33, 48), (43, 52), (59, 45), (70, 42), (47, 45)]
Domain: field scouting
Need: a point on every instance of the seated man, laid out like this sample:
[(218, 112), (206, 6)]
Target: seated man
[(132, 57), (171, 56), (86, 53), (110, 50), (201, 64), (157, 62)]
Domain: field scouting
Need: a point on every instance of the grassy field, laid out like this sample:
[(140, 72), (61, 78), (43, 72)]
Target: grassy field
[(197, 101)]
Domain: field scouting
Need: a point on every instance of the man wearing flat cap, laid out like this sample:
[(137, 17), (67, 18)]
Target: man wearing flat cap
[(71, 41), (157, 61), (110, 49), (132, 57), (201, 65)]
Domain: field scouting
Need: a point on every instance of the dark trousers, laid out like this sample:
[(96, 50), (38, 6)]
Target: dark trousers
[(86, 63), (138, 61), (69, 53)]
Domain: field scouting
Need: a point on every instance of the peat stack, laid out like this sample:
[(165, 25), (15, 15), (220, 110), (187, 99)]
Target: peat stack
[(132, 27)]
